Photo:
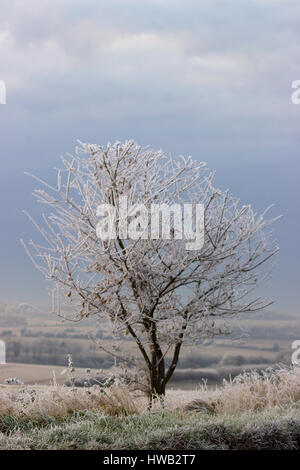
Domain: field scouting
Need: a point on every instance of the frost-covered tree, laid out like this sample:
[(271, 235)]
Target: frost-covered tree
[(154, 290)]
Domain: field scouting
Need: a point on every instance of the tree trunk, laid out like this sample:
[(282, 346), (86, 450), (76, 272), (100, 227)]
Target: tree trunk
[(159, 377), (157, 387)]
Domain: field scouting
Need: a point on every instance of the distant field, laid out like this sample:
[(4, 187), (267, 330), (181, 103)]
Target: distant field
[(35, 374), (35, 336), (183, 379)]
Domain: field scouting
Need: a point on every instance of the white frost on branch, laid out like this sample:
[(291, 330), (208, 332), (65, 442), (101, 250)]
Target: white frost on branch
[(155, 290)]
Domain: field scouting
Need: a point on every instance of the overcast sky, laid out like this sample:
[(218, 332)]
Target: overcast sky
[(207, 78)]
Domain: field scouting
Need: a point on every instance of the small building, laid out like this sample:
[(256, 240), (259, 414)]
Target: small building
[(2, 352)]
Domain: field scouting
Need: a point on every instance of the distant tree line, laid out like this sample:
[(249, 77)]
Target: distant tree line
[(53, 352)]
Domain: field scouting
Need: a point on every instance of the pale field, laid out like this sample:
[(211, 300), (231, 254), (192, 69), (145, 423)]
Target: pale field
[(31, 374), (47, 375)]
